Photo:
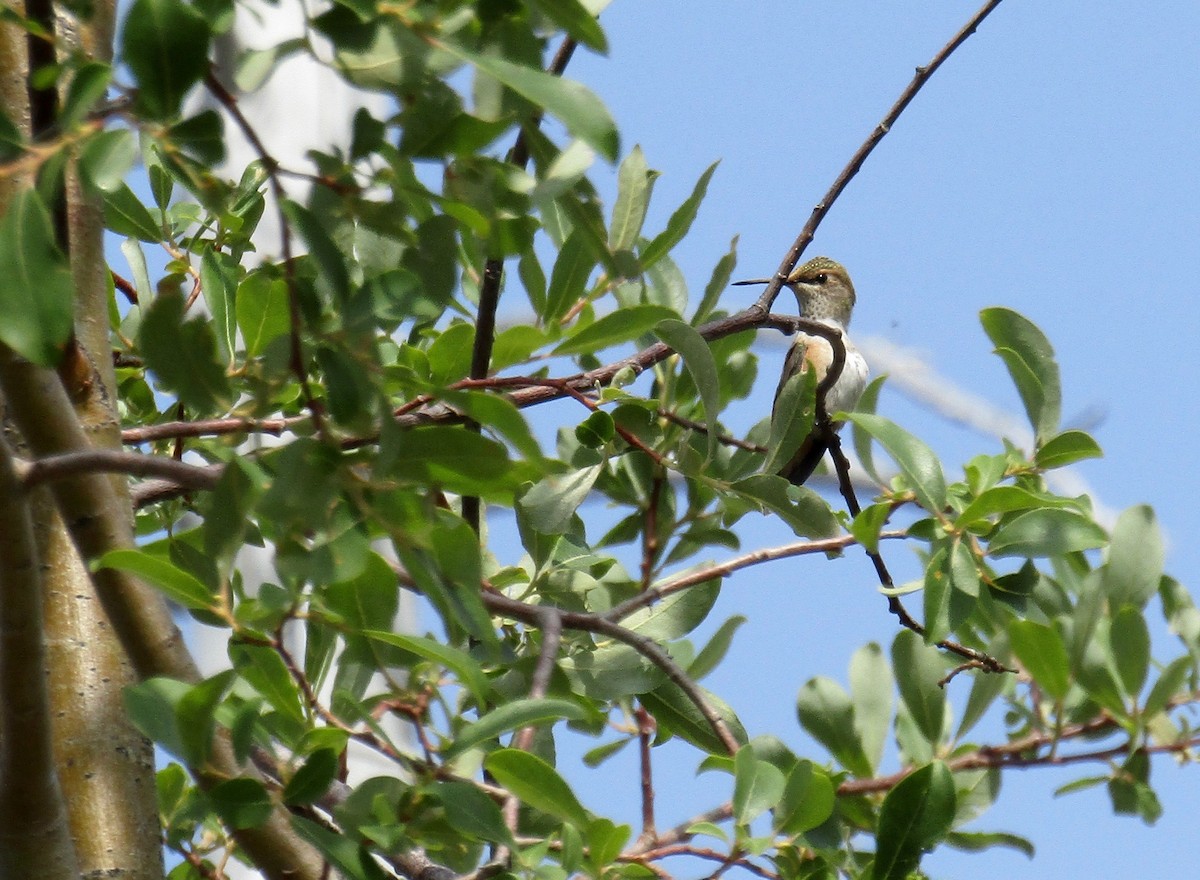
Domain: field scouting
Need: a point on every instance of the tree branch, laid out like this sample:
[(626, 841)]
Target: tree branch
[(860, 156), (109, 461)]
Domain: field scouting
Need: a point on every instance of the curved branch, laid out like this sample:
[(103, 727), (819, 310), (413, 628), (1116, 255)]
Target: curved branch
[(111, 461), (860, 156), (648, 648), (725, 569)]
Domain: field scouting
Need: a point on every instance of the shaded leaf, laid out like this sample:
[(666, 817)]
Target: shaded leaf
[(37, 292)]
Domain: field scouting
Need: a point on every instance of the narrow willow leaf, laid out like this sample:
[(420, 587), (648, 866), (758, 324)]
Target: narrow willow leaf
[(623, 325), (1030, 361), (717, 283), (509, 717), (1046, 532), (635, 182), (680, 222), (871, 685), (698, 358), (757, 786), (914, 458), (576, 106), (826, 712), (1066, 448), (37, 292)]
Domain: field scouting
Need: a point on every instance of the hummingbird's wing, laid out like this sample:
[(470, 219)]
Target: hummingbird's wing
[(806, 458)]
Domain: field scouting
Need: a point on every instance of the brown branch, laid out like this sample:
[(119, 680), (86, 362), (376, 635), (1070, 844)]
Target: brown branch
[(648, 597), (646, 728), (125, 286), (648, 648), (109, 461), (701, 428), (529, 391), (209, 428), (682, 849), (979, 659), (1016, 755), (860, 156)]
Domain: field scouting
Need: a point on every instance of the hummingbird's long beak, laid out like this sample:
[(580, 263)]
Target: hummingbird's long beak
[(752, 281)]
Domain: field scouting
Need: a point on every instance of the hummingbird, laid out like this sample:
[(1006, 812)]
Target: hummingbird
[(825, 294)]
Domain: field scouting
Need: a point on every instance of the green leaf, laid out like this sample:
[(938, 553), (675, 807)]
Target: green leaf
[(263, 312), (680, 222), (1000, 499), (916, 815), (183, 353), (623, 325), (461, 461), (1066, 448), (801, 508), (333, 278), (919, 668), (195, 715), (576, 107), (1030, 361), (984, 691), (792, 419), (569, 276), (202, 136), (675, 711), (977, 841), (463, 665), (313, 778), (867, 403), (721, 274), (88, 86), (1171, 681), (351, 859), (676, 615), (181, 586), (165, 45), (871, 685), (511, 716), (826, 712), (536, 784), (808, 799), (551, 502), (106, 158), (150, 705), (914, 458), (1130, 640), (635, 182), (713, 652), (37, 292), (574, 18), (1042, 652), (124, 214), (1134, 566), (218, 274), (241, 802), (473, 812), (1046, 532), (264, 670), (702, 366), (757, 786)]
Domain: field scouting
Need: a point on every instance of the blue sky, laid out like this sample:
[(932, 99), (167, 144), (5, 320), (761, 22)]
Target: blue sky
[(1049, 167)]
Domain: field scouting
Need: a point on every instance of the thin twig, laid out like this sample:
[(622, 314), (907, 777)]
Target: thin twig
[(493, 274), (271, 166), (860, 156), (499, 604), (648, 597), (983, 661)]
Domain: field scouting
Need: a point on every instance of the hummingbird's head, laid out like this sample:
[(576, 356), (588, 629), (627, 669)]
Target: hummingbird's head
[(823, 290)]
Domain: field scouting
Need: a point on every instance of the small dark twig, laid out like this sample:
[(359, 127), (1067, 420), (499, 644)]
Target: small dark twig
[(983, 661), (271, 166), (860, 156)]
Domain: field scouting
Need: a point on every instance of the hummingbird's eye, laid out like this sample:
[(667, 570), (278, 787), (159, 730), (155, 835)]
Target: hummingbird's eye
[(821, 279)]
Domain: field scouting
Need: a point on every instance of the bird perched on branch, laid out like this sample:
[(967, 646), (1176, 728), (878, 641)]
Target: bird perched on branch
[(825, 295)]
